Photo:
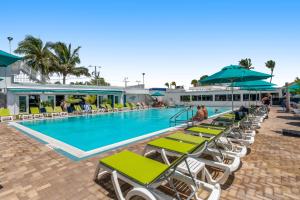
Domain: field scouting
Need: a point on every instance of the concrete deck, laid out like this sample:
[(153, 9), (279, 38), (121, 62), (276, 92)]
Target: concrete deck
[(30, 170)]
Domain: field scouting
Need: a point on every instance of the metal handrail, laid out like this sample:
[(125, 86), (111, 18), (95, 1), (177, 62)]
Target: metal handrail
[(174, 120)]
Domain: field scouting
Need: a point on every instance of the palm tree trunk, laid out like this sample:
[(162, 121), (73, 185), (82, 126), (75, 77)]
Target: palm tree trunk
[(271, 76), (64, 79)]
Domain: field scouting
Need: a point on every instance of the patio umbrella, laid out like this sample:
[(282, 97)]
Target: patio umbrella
[(252, 84), (234, 73), (157, 94), (257, 88), (7, 59), (294, 87)]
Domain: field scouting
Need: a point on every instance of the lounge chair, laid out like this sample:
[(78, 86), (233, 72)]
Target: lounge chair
[(133, 106), (167, 146), (5, 115), (25, 116), (36, 112), (147, 176), (59, 110), (109, 108), (128, 106), (144, 105), (50, 112), (94, 109), (78, 109), (121, 107)]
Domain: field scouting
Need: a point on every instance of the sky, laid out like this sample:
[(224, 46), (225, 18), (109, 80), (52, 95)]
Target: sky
[(168, 40)]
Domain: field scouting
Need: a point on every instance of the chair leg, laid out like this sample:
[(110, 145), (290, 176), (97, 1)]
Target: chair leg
[(114, 179)]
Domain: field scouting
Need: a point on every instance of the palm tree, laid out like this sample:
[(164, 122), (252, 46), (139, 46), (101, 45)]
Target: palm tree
[(167, 85), (271, 65), (246, 63), (174, 84), (194, 82), (36, 55), (202, 78), (65, 59)]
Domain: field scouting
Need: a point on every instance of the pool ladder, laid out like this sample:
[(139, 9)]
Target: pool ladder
[(188, 112)]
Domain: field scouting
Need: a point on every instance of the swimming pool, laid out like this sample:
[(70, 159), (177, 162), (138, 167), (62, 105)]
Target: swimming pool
[(85, 135)]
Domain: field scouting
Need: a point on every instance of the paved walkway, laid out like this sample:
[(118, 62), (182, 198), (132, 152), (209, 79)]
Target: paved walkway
[(30, 170)]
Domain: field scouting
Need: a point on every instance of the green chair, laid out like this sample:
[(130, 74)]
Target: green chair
[(5, 115), (59, 110), (35, 111), (78, 109), (179, 143), (204, 131), (146, 175), (50, 112), (132, 106), (94, 108)]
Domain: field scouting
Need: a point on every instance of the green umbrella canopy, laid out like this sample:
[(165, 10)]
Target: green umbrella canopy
[(257, 83), (157, 94), (294, 87), (7, 59), (235, 73), (258, 88)]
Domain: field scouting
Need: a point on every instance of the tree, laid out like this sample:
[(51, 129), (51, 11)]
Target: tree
[(270, 64), (167, 85), (194, 82), (36, 55), (65, 59), (99, 81), (246, 63), (173, 83), (202, 78)]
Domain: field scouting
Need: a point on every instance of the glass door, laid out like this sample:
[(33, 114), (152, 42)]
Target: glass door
[(23, 104)]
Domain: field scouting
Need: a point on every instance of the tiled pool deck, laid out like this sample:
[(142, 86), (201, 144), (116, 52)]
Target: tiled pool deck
[(30, 170)]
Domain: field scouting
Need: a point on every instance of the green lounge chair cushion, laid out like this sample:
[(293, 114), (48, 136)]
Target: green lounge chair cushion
[(181, 136), (77, 108), (135, 166), (94, 107), (4, 112), (212, 126), (57, 109), (49, 109), (34, 110), (173, 145), (205, 130)]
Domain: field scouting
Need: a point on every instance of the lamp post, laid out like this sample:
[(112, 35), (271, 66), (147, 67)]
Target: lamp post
[(9, 42), (143, 78), (96, 74)]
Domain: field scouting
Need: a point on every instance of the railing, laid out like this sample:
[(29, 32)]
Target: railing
[(183, 116)]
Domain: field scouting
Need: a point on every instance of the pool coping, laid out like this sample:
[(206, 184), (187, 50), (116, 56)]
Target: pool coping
[(75, 153)]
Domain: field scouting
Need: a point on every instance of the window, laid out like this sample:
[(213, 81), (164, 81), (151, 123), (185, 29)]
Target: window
[(185, 98), (245, 97), (51, 100), (100, 99), (207, 97), (229, 97), (252, 97), (22, 104), (220, 97), (236, 97), (116, 99), (196, 98)]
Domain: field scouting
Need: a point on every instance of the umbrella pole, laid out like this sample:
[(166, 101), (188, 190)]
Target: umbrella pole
[(231, 96), (249, 99), (256, 98)]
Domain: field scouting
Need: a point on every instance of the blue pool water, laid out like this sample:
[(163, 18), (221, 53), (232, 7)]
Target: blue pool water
[(94, 131)]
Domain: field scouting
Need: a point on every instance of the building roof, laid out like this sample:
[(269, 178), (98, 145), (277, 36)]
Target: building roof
[(52, 88)]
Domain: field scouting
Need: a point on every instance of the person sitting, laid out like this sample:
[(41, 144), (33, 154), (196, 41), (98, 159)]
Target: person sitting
[(199, 115), (204, 112)]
